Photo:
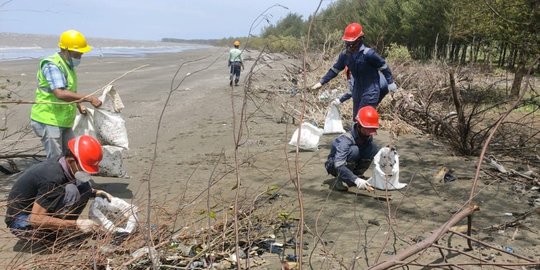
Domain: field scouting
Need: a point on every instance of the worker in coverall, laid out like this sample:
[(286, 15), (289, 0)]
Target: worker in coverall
[(352, 152), (52, 115), (49, 196), (364, 64), (235, 63)]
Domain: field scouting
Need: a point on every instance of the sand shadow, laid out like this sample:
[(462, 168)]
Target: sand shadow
[(119, 190)]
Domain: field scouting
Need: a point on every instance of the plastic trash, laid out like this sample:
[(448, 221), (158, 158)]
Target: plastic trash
[(111, 128), (324, 96), (115, 216), (509, 249), (309, 137), (332, 122), (386, 171), (112, 162)]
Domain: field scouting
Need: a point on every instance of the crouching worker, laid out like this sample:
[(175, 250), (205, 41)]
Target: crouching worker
[(49, 197), (352, 152)]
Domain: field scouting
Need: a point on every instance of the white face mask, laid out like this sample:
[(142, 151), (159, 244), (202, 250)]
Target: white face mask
[(82, 177), (75, 62)]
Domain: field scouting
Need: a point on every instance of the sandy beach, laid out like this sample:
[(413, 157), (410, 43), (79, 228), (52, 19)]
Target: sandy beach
[(195, 149)]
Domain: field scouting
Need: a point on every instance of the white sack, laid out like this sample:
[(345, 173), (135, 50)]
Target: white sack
[(112, 164), (111, 128), (309, 137), (110, 100), (332, 122), (386, 171), (84, 124), (115, 216)]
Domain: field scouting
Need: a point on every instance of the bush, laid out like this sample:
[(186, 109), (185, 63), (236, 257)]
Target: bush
[(398, 53)]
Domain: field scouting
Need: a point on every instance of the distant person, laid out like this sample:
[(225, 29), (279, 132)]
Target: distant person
[(235, 63), (49, 196), (364, 64), (352, 152), (51, 117)]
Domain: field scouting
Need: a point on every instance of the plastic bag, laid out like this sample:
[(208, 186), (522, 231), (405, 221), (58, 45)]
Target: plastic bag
[(326, 96), (84, 124), (332, 122), (115, 216), (111, 128), (112, 164), (386, 171), (309, 137), (110, 100)]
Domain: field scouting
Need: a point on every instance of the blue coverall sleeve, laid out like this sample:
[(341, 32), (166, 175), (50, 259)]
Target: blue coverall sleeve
[(335, 69), (345, 97), (378, 62), (343, 145)]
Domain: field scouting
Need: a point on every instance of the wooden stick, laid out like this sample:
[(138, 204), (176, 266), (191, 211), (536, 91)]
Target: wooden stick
[(75, 101)]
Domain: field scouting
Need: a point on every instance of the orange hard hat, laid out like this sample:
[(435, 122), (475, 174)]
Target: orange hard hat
[(368, 117), (87, 150), (352, 32), (236, 43)]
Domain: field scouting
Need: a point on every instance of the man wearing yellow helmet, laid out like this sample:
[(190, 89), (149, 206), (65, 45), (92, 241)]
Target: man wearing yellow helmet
[(235, 63), (53, 113)]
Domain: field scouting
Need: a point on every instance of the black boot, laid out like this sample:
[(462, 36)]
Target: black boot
[(336, 184)]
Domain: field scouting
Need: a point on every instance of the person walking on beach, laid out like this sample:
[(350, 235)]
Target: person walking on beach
[(54, 112), (352, 152), (50, 196), (235, 63), (364, 64)]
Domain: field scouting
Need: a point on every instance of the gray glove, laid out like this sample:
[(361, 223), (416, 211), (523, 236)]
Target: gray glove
[(392, 87)]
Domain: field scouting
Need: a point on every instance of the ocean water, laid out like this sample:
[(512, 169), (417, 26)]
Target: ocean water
[(36, 52)]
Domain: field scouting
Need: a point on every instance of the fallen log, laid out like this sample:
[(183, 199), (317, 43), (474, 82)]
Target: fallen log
[(429, 241)]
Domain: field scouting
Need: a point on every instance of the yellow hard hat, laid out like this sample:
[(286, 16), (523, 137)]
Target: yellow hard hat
[(73, 40), (236, 43)]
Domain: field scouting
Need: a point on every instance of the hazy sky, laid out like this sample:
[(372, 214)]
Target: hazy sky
[(147, 19)]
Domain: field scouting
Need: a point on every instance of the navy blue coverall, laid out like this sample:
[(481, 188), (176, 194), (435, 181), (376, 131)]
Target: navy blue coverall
[(349, 151), (364, 65)]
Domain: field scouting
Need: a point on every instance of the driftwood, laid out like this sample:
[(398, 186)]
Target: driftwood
[(429, 241)]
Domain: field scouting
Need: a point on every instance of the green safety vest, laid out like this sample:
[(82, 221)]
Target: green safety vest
[(61, 115)]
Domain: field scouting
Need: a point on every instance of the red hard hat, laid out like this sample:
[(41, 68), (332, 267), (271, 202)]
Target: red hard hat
[(352, 32), (368, 117), (87, 150)]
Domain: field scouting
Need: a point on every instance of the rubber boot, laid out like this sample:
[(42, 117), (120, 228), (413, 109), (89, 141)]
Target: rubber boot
[(336, 184), (236, 82)]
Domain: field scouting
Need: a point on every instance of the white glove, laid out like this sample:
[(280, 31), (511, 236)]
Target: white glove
[(316, 86), (392, 87), (86, 225), (363, 184), (335, 102), (103, 194)]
